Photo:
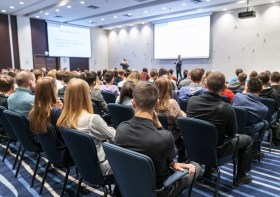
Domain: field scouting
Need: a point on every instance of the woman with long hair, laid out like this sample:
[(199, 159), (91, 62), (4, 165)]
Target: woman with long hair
[(47, 107), (171, 109), (126, 94), (78, 114)]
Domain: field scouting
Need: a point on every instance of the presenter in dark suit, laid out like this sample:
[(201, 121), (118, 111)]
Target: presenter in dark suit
[(124, 64), (178, 64)]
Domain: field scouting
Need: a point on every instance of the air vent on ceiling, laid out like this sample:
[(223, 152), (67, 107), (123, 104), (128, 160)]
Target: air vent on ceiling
[(58, 16), (92, 7), (196, 1), (128, 15), (141, 0)]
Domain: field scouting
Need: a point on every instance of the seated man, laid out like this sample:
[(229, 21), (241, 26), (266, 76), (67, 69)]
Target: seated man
[(211, 108), (22, 100), (66, 77), (240, 84), (251, 102), (109, 87), (267, 90), (144, 134), (275, 81), (6, 88), (186, 81), (195, 88), (237, 72)]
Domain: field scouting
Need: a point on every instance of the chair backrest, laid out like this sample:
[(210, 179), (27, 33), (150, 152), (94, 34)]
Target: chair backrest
[(270, 104), (163, 120), (83, 152), (119, 113), (241, 119), (20, 126), (109, 97), (50, 145), (133, 172), (200, 139), (6, 126), (183, 105), (225, 99)]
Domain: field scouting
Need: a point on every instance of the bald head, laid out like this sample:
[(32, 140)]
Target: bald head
[(25, 79)]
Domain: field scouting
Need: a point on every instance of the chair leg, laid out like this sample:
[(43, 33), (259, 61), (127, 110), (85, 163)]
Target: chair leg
[(6, 150), (20, 160), (270, 140), (105, 191), (217, 182), (65, 181), (78, 187), (191, 187), (44, 178), (234, 173), (35, 171), (77, 172), (15, 162)]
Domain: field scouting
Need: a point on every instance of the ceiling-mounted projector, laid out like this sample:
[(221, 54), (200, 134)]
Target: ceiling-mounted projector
[(247, 14)]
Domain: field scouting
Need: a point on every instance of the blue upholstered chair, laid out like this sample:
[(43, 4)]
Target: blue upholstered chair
[(225, 99), (109, 97), (135, 174), (119, 113), (203, 150)]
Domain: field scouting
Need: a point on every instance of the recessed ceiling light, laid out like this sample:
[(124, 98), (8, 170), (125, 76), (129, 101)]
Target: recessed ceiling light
[(41, 11), (183, 4), (200, 9), (163, 8), (129, 14), (102, 19), (143, 23), (57, 10), (12, 7), (90, 21), (37, 16), (68, 6), (46, 13), (241, 1), (115, 17), (208, 0), (131, 25), (3, 11), (225, 9), (82, 2), (272, 1), (146, 11), (21, 2)]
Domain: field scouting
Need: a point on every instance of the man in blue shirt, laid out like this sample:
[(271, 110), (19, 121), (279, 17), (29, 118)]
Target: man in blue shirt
[(22, 100)]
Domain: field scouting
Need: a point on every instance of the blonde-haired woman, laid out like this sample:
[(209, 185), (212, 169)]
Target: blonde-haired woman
[(78, 114), (171, 109), (134, 76)]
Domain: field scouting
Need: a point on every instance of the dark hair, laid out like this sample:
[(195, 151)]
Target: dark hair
[(216, 81), (67, 76), (59, 74), (11, 74), (145, 70), (109, 75), (275, 77), (38, 73), (126, 90), (196, 74), (242, 77), (162, 71), (254, 85), (264, 77), (186, 72), (153, 72), (90, 78), (238, 71), (253, 74), (145, 94), (121, 72), (6, 83), (171, 71)]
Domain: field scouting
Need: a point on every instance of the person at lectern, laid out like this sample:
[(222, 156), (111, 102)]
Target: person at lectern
[(178, 64), (124, 64)]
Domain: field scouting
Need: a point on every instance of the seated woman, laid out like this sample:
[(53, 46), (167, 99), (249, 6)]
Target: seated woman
[(171, 109), (126, 94), (47, 107), (78, 114), (109, 78)]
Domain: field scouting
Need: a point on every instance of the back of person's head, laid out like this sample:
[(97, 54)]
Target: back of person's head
[(254, 85), (268, 72), (6, 83), (186, 72), (170, 71), (162, 72), (134, 76), (121, 72), (238, 71), (207, 73), (126, 90), (275, 77), (38, 73), (52, 74), (67, 76), (216, 82), (145, 70), (99, 72), (45, 98), (76, 99), (109, 75), (196, 75), (242, 78), (253, 74), (126, 73), (90, 78), (165, 91), (264, 77), (59, 75), (12, 74), (24, 79), (153, 72), (145, 95)]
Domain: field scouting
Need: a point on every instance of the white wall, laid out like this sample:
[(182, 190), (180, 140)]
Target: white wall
[(99, 47), (24, 42), (252, 44)]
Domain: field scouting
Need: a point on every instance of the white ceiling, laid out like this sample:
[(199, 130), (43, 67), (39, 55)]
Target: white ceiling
[(112, 13)]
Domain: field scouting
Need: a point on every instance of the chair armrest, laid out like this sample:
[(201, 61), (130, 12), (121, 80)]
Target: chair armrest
[(175, 177), (227, 139)]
